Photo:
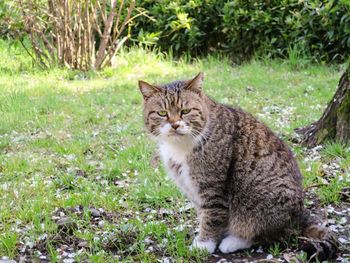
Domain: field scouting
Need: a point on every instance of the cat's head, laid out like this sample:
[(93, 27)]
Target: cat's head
[(175, 111)]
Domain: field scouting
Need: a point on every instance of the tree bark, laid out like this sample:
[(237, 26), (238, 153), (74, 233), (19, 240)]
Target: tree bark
[(335, 122)]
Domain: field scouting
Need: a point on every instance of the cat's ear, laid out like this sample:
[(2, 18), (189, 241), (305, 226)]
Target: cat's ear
[(147, 89), (196, 83)]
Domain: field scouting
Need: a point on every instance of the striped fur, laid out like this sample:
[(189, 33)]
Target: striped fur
[(243, 180)]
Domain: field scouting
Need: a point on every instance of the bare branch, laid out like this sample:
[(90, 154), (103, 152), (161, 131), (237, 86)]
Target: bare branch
[(64, 31), (106, 35)]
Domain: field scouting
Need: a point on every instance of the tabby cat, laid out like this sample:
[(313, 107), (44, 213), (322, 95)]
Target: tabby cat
[(242, 179)]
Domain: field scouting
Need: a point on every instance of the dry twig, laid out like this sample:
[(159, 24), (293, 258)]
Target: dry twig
[(82, 34)]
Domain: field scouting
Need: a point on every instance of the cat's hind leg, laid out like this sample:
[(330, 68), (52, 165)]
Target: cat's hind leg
[(232, 243)]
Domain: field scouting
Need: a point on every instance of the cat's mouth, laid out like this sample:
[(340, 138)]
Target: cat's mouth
[(176, 133)]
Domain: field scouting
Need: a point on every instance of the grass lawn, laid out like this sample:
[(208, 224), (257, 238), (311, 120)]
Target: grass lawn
[(76, 181)]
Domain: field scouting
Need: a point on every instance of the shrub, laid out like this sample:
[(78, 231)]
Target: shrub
[(77, 34), (10, 22), (193, 27), (244, 28), (321, 28)]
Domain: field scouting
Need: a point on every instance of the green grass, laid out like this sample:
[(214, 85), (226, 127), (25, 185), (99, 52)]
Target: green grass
[(275, 249), (70, 139)]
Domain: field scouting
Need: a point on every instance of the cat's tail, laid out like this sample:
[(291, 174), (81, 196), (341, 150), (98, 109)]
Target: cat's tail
[(317, 241)]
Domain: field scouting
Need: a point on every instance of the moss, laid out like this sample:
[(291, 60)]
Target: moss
[(321, 135)]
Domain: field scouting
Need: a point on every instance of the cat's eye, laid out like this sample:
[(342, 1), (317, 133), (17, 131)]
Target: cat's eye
[(162, 113), (185, 111)]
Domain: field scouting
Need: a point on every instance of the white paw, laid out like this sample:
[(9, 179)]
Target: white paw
[(233, 243), (208, 244)]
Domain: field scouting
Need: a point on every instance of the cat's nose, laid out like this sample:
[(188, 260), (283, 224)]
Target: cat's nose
[(175, 126)]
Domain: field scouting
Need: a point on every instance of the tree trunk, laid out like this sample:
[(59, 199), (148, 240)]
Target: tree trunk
[(335, 121)]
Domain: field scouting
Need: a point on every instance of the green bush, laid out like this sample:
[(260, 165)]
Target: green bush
[(244, 28), (183, 26), (10, 23), (320, 28)]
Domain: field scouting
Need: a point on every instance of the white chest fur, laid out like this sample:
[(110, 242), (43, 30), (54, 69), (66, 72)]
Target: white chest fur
[(174, 156)]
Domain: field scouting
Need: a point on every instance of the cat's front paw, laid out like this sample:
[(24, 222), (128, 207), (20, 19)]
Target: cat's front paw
[(233, 243), (207, 244)]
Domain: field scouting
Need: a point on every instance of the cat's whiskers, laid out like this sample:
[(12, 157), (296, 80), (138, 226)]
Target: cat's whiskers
[(199, 137)]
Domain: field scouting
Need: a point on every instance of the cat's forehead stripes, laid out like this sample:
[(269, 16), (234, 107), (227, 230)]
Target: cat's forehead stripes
[(174, 100), (172, 93), (173, 87)]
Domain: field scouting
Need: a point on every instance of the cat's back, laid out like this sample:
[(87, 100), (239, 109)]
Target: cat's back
[(256, 150)]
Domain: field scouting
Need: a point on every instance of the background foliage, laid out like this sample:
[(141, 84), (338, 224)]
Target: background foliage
[(10, 22), (318, 29), (75, 34)]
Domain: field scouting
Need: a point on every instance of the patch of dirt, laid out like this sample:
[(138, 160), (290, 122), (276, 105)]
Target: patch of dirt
[(64, 243)]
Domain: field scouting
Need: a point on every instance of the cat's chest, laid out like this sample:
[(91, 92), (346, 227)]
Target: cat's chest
[(175, 160)]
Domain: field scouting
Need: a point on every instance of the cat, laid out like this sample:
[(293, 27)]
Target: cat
[(241, 178)]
